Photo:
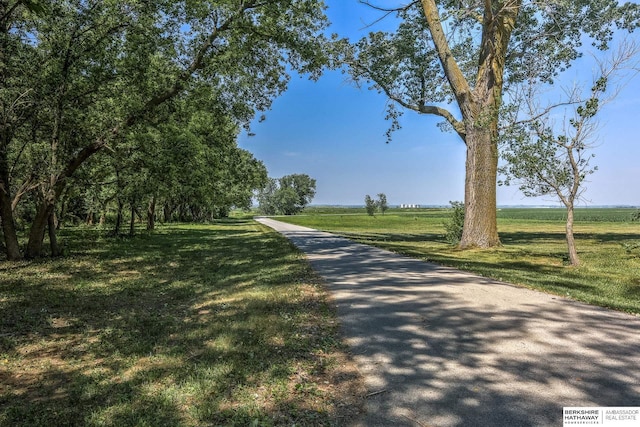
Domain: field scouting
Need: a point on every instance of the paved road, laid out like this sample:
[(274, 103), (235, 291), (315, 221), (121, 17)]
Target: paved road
[(440, 347)]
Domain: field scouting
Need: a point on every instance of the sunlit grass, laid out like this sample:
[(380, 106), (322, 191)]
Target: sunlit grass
[(192, 325), (533, 251)]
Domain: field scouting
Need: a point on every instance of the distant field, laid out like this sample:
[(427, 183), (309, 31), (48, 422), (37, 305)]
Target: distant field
[(533, 251), (540, 214), (557, 214)]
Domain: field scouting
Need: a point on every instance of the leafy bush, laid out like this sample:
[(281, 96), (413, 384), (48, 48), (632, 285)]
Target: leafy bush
[(453, 226)]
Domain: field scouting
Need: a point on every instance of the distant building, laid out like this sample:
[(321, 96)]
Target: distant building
[(409, 206)]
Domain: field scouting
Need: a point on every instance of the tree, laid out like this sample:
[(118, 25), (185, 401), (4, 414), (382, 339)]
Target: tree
[(16, 107), (382, 203), (549, 157), (302, 189), (287, 196), (469, 55), (266, 197), (370, 205), (104, 69)]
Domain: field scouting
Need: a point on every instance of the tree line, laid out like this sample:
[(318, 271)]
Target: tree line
[(135, 106)]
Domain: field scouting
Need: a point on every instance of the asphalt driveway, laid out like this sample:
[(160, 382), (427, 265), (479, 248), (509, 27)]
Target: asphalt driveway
[(440, 347)]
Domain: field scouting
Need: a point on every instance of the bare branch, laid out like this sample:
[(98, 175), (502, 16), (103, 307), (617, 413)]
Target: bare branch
[(387, 11)]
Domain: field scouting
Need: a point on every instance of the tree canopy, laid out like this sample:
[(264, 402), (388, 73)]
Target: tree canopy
[(121, 78), (288, 195)]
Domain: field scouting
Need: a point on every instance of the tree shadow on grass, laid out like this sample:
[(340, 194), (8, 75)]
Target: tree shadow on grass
[(187, 327)]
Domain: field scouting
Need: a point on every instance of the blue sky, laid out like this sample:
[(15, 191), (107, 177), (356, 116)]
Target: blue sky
[(335, 133)]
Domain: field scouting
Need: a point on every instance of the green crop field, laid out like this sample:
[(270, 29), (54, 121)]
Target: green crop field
[(533, 251)]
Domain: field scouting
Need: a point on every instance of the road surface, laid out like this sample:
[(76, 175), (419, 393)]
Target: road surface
[(444, 348)]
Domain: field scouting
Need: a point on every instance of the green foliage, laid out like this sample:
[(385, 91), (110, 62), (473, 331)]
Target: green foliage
[(453, 226), (547, 37), (636, 216), (162, 87), (287, 196), (382, 203), (549, 158), (459, 61), (266, 197), (370, 205)]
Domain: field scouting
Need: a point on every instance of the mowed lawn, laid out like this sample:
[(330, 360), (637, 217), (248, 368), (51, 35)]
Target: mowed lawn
[(533, 251), (221, 324)]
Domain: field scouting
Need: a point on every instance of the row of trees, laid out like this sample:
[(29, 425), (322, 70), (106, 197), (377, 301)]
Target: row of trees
[(288, 195), (128, 105)]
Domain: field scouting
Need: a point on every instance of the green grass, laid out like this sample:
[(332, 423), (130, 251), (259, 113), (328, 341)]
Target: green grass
[(222, 324), (533, 251)]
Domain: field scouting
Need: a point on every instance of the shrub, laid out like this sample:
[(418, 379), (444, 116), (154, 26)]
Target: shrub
[(453, 226)]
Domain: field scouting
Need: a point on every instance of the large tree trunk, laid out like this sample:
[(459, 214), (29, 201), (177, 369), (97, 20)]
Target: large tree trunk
[(151, 214), (53, 240), (480, 224), (571, 242), (11, 246), (132, 222), (39, 226), (116, 229), (479, 106)]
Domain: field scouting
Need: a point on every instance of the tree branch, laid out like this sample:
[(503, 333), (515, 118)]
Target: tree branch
[(457, 125), (387, 11), (154, 102), (30, 184), (454, 74)]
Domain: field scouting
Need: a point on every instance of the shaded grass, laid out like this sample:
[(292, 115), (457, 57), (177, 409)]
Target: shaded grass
[(533, 251), (193, 325)]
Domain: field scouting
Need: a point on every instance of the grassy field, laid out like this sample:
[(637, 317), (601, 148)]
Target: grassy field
[(533, 251), (193, 325)]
